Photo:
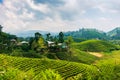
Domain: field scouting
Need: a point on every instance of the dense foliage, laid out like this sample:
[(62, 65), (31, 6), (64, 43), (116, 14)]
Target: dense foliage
[(5, 45), (88, 34)]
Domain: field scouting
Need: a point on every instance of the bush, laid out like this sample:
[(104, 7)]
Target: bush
[(11, 74), (48, 75)]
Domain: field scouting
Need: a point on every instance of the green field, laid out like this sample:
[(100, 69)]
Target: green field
[(95, 46), (74, 56), (106, 69)]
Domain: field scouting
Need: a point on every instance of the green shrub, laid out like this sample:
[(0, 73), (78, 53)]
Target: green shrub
[(48, 75), (11, 74)]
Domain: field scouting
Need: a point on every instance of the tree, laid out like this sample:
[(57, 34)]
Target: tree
[(61, 37), (48, 36), (41, 44), (38, 44), (69, 41), (37, 35)]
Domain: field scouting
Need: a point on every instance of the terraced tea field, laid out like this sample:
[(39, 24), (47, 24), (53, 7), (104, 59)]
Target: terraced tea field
[(102, 70)]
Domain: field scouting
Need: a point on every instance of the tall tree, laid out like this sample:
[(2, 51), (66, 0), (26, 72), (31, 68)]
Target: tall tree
[(38, 44), (48, 36), (61, 37), (37, 36)]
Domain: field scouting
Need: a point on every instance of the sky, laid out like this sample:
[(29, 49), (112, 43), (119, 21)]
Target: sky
[(59, 15)]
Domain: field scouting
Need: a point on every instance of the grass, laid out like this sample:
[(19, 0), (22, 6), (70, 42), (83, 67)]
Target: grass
[(95, 46), (106, 69), (65, 69), (74, 55), (77, 56)]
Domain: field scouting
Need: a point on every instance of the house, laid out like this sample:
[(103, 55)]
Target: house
[(50, 43), (13, 41), (23, 42)]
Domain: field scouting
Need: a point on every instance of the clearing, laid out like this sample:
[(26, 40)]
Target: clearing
[(96, 54)]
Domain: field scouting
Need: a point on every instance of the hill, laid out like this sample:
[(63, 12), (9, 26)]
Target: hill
[(95, 46), (87, 34), (107, 69), (75, 55), (65, 69), (81, 34), (115, 33), (30, 33)]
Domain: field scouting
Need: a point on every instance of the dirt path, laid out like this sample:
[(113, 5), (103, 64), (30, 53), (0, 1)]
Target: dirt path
[(96, 54)]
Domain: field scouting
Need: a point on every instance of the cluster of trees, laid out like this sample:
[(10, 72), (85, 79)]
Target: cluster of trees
[(12, 45), (5, 42), (49, 43), (88, 34)]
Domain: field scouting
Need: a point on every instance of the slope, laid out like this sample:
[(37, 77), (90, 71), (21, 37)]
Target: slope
[(74, 55), (115, 33), (95, 46), (102, 70), (65, 68)]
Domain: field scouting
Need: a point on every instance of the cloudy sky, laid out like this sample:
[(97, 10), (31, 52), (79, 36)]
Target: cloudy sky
[(59, 15)]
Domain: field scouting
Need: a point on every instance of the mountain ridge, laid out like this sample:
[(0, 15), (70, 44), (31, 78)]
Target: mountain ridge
[(86, 33)]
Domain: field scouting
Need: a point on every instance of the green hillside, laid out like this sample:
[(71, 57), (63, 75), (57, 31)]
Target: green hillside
[(65, 69), (114, 34), (75, 55), (95, 46), (106, 69), (87, 33)]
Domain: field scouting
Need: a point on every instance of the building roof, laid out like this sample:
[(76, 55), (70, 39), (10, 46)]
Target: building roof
[(24, 42), (50, 42)]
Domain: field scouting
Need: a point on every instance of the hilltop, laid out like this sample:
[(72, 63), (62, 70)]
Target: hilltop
[(87, 34), (95, 46), (78, 35), (115, 33)]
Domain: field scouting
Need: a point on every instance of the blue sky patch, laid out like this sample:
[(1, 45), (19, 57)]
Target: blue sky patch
[(1, 1), (50, 2)]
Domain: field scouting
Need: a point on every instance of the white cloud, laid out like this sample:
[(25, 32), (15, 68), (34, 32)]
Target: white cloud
[(19, 15), (40, 7), (27, 15)]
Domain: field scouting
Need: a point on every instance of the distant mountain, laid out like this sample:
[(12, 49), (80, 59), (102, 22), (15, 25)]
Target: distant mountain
[(30, 33), (84, 33), (87, 34), (115, 33)]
